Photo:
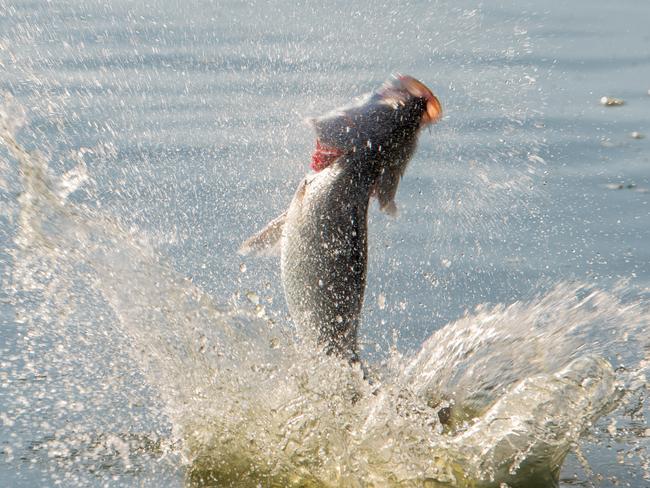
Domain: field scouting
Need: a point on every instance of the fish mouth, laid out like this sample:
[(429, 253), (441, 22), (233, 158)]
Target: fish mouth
[(405, 85)]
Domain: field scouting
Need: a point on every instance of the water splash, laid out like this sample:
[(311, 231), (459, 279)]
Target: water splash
[(102, 316)]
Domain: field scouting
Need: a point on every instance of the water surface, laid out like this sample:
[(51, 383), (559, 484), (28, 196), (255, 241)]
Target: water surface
[(143, 143)]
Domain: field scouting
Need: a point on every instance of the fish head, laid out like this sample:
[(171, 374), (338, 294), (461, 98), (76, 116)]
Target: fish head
[(388, 118), (378, 134), (414, 107)]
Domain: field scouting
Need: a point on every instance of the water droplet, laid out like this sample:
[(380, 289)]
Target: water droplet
[(253, 297), (611, 428), (381, 301)]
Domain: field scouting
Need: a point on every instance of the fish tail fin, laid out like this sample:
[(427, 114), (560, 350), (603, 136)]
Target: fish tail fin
[(266, 242)]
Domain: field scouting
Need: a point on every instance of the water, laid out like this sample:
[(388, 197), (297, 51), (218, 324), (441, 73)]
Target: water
[(143, 143)]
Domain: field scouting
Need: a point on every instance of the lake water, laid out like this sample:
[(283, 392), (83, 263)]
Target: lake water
[(143, 142)]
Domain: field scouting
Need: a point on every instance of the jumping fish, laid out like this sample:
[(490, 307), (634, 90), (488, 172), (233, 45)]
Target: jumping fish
[(361, 151)]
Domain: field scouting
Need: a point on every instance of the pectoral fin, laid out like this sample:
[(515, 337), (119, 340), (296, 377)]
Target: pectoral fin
[(389, 208), (267, 241), (386, 188)]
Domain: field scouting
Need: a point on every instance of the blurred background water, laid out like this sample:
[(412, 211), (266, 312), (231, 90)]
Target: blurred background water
[(188, 119)]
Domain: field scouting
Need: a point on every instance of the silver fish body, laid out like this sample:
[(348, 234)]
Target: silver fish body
[(323, 236), (324, 257)]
